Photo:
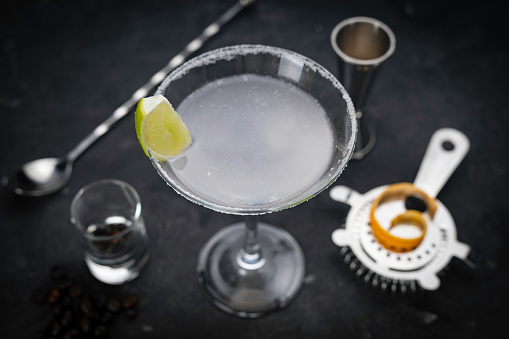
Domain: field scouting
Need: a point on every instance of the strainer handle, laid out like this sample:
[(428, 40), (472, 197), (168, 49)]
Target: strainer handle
[(445, 151)]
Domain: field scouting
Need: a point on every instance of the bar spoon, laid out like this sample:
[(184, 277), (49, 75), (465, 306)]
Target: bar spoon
[(48, 175)]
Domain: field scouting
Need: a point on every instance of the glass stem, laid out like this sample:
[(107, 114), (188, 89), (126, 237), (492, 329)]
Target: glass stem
[(251, 252)]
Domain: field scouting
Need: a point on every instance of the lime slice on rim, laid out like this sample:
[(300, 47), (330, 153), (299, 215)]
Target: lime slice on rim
[(159, 128)]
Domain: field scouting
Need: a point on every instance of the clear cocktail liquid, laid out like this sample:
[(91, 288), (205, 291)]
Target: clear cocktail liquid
[(256, 140)]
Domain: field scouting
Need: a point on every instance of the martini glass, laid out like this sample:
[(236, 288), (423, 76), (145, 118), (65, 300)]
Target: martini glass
[(271, 129)]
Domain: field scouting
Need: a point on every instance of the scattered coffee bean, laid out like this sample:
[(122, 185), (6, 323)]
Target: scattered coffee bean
[(77, 314), (75, 291), (130, 302), (87, 306), (84, 324), (113, 306), (53, 295)]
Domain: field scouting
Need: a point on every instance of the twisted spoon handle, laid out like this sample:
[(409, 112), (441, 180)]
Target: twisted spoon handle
[(176, 61)]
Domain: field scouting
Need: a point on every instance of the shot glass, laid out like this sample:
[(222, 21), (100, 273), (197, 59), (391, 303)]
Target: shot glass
[(107, 215)]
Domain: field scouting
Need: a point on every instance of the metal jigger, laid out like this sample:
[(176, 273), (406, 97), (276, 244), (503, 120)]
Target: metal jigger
[(362, 45)]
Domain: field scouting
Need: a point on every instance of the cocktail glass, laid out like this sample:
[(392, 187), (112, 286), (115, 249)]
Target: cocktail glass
[(271, 129)]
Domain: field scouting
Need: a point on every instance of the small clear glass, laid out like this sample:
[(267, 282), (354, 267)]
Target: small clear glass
[(107, 214)]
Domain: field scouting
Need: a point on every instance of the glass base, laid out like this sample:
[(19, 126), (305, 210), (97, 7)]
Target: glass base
[(253, 289), (119, 274)]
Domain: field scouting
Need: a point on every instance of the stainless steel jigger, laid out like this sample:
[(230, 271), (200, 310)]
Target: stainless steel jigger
[(362, 45)]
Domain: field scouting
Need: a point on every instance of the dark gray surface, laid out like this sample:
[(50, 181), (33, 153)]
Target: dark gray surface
[(66, 65)]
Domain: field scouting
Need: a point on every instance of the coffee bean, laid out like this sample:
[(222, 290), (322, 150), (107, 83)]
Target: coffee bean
[(75, 291), (113, 306), (86, 306), (53, 295), (77, 314), (84, 324), (130, 302)]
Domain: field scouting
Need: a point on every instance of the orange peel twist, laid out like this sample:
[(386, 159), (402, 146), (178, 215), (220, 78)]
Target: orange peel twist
[(401, 191)]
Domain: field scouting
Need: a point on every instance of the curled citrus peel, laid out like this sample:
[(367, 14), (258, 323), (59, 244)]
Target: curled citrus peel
[(401, 191)]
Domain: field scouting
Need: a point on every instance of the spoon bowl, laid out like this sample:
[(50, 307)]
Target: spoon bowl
[(41, 177)]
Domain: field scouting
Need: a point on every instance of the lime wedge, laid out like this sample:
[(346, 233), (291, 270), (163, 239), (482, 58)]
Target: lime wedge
[(159, 128)]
